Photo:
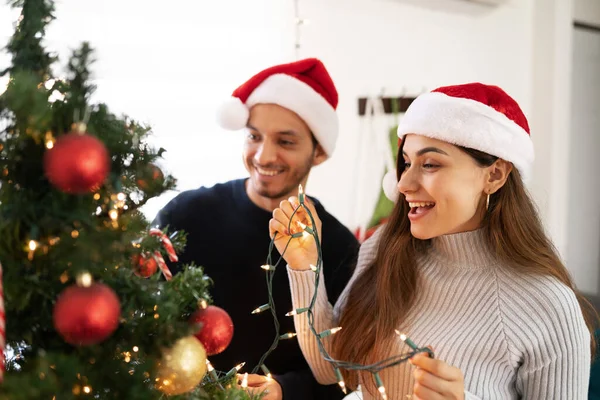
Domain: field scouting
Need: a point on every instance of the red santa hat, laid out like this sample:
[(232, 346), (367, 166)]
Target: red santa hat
[(473, 115), (303, 87)]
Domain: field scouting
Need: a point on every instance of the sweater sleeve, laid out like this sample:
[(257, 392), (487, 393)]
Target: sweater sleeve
[(302, 285), (547, 332)]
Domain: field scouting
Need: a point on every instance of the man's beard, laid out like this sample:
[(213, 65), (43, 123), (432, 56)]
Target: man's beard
[(296, 179)]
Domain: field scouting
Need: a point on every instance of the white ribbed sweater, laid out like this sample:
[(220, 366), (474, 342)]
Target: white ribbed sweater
[(513, 336)]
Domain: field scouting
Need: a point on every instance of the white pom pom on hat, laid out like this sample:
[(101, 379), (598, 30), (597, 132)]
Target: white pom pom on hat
[(232, 114), (390, 186)]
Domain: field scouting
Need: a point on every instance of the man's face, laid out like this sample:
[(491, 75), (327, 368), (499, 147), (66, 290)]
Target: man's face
[(278, 152)]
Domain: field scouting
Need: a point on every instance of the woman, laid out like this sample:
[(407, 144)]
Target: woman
[(462, 265)]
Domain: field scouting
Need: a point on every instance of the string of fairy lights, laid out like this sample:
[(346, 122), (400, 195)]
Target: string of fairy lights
[(223, 380), (337, 365)]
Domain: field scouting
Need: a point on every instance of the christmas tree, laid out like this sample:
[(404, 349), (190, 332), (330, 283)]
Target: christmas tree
[(91, 308)]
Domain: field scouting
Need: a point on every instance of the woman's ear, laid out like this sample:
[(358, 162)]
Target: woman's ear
[(498, 174)]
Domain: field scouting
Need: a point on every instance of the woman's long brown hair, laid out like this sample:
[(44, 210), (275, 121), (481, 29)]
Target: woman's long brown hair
[(374, 307)]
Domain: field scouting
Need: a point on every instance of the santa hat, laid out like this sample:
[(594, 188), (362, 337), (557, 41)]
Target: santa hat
[(303, 87), (473, 115)]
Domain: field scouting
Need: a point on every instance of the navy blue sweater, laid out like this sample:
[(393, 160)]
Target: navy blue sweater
[(228, 236)]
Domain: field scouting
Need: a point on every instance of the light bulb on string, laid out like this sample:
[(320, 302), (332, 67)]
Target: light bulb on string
[(49, 140), (211, 371), (32, 245), (260, 309), (297, 312), (239, 366), (118, 200), (380, 386), (84, 279), (288, 335), (340, 380), (306, 231), (113, 214), (329, 332), (407, 340), (266, 371), (300, 194), (234, 370), (245, 381), (268, 267)]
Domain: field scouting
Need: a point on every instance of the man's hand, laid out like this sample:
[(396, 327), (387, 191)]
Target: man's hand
[(259, 384)]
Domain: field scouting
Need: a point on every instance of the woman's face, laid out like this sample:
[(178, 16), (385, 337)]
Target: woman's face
[(444, 187)]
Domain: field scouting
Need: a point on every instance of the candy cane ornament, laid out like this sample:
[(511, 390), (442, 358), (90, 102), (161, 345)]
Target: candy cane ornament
[(164, 268), (166, 242)]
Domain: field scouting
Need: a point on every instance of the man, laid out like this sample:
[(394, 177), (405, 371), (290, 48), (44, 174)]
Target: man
[(289, 113)]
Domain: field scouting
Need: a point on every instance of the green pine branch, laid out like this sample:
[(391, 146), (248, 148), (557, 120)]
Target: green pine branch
[(25, 45), (48, 237)]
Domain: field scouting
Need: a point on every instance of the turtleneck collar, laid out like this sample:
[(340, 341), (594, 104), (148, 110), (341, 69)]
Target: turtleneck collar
[(463, 250)]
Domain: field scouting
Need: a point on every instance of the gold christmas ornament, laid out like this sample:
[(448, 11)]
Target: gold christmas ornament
[(182, 366)]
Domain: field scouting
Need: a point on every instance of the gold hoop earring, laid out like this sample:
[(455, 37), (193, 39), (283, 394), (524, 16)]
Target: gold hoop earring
[(487, 202)]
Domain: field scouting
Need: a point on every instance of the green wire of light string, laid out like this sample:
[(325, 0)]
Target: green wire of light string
[(269, 277), (374, 368)]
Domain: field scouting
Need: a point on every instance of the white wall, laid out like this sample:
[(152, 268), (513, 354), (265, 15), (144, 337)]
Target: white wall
[(550, 113), (565, 77), (587, 11), (409, 46), (168, 65), (583, 250)]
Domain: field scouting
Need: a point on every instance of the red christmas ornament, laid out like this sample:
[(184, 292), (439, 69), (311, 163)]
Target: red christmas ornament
[(86, 313), (78, 163), (144, 265), (217, 329)]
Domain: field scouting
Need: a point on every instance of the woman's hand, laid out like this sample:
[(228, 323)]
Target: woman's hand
[(301, 252), (436, 380), (269, 387)]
